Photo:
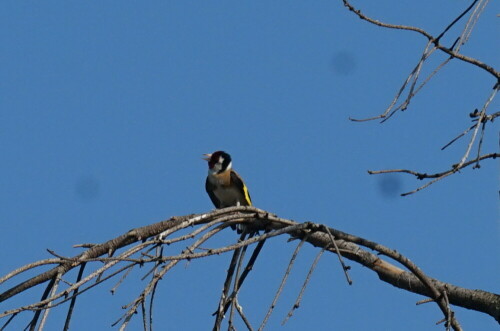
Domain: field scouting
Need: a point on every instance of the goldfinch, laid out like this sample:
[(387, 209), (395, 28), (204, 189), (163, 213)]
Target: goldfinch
[(223, 185)]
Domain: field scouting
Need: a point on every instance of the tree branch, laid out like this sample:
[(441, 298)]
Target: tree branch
[(434, 40), (407, 277), (437, 176)]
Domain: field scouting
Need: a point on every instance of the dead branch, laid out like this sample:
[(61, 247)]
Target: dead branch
[(432, 39), (481, 117), (139, 242), (437, 176)]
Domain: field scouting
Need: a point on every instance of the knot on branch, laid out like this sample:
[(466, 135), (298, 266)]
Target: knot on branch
[(422, 176)]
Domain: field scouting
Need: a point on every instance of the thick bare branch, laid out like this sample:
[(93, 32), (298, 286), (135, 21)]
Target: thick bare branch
[(412, 279)]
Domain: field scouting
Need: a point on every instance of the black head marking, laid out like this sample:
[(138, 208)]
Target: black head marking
[(219, 157)]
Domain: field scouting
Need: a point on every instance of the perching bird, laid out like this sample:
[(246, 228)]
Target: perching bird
[(224, 186)]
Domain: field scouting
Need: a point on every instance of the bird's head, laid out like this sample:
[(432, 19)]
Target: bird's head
[(218, 162)]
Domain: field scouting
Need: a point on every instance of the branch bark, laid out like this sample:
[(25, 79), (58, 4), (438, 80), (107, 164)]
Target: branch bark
[(404, 274)]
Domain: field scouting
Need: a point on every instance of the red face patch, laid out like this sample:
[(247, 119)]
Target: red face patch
[(214, 159)]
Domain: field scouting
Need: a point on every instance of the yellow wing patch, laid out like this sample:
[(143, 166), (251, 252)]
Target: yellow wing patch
[(247, 196)]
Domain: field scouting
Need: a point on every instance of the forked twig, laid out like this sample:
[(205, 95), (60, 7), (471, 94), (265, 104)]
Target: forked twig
[(242, 315)]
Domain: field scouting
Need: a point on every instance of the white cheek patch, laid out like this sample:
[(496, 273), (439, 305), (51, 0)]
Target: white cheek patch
[(230, 165)]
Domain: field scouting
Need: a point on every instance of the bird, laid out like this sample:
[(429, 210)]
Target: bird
[(224, 186)]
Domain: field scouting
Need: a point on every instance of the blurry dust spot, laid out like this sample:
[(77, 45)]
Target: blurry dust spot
[(390, 185), (344, 63), (87, 188)]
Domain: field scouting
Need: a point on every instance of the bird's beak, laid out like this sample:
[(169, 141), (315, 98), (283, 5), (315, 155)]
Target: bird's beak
[(207, 157)]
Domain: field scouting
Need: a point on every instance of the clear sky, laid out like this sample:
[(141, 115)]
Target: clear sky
[(106, 108)]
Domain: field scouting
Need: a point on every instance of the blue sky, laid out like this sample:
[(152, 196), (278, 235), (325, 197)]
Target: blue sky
[(106, 108)]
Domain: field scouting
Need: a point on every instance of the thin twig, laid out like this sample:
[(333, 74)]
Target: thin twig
[(477, 166), (344, 267), (143, 313), (49, 305), (227, 283), (7, 322), (283, 281), (425, 301), (73, 300), (399, 93), (45, 294), (426, 184), (472, 140), (414, 75), (243, 317), (151, 300), (428, 78), (449, 314), (157, 258), (456, 20), (233, 296), (302, 290), (251, 262), (459, 136), (244, 274), (122, 278), (159, 253)]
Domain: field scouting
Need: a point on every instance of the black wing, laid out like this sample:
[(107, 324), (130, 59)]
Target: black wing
[(236, 179), (209, 187)]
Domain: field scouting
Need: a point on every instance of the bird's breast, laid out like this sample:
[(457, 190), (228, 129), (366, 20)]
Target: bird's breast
[(229, 196)]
